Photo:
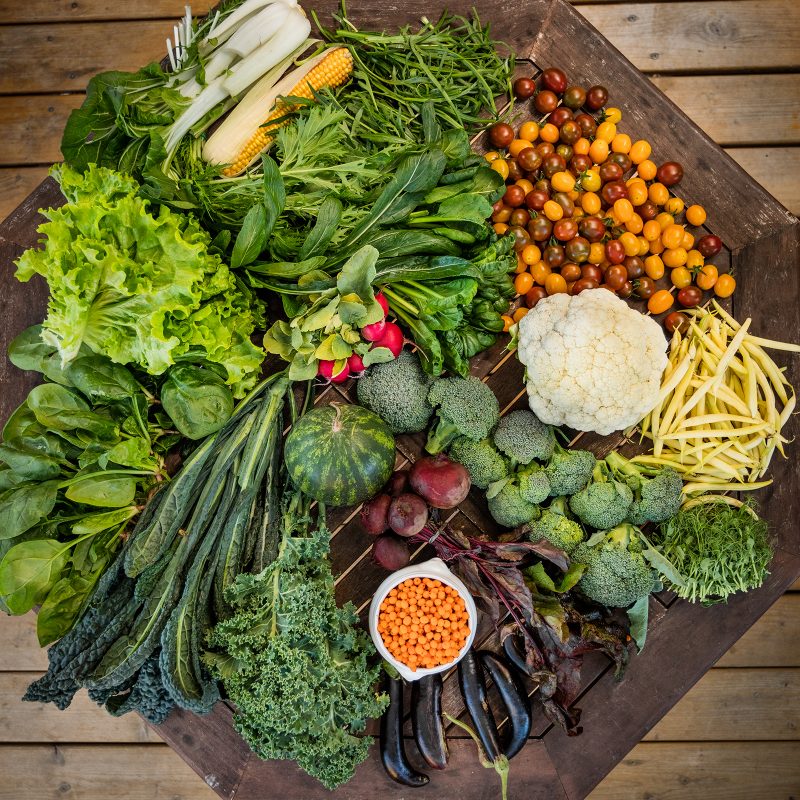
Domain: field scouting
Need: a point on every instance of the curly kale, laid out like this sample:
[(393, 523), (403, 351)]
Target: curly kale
[(604, 503), (556, 526), (569, 470), (465, 407), (657, 494), (482, 460), (397, 391), (523, 437), (294, 664)]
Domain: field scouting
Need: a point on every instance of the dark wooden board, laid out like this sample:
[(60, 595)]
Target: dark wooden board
[(685, 640)]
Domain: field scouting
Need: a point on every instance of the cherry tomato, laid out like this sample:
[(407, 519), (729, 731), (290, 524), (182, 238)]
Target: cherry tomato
[(613, 115), (529, 130), (524, 88), (687, 243), (694, 260), (536, 199), (598, 151), (501, 134), (520, 313), (520, 216), (658, 193), (674, 206), (623, 209), (621, 143), (553, 79), (534, 295), (544, 148), (555, 284), (560, 116), (563, 181), (637, 193), (616, 276), (554, 256), (517, 146), (651, 230), (609, 171), (578, 249), (674, 257), (587, 124), (545, 102), (670, 173), (574, 97), (500, 166), (500, 228), (514, 196), (514, 172), (531, 254), (676, 321), (695, 215), (507, 322), (540, 271), (690, 296), (630, 243), (639, 152), (622, 160), (615, 252), (647, 169), (592, 228), (680, 277), (525, 185), (725, 285), (613, 191), (647, 211), (707, 277), (570, 132), (583, 283), (566, 203), (565, 151), (634, 267), (660, 301), (592, 271), (626, 290), (570, 272), (654, 267), (672, 235), (552, 164), (596, 97), (606, 131), (597, 253), (529, 160), (565, 229), (709, 245), (540, 229), (579, 164), (665, 220), (523, 282), (644, 287), (549, 134)]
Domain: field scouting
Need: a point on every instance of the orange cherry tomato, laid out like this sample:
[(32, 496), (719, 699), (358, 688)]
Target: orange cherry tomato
[(674, 205), (549, 133), (606, 131), (517, 146), (523, 282), (553, 211), (664, 220), (598, 150), (621, 143), (597, 253), (660, 301), (725, 285), (635, 224), (680, 277), (623, 209), (694, 259), (672, 235), (531, 254), (555, 284), (540, 271), (647, 169), (644, 246), (688, 240), (707, 277), (563, 182), (658, 193), (529, 130), (590, 181), (492, 155), (656, 246), (507, 322), (639, 152), (581, 147), (612, 114), (654, 267), (651, 230), (519, 313), (629, 243), (674, 257), (500, 228), (500, 166), (637, 192), (695, 215)]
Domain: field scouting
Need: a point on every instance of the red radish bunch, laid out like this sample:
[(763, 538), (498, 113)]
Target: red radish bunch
[(402, 509)]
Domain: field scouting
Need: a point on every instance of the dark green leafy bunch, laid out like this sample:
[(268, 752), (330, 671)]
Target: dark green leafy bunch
[(605, 502), (294, 664), (719, 547)]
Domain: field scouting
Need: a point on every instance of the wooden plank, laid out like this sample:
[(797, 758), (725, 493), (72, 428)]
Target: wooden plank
[(76, 772), (83, 721), (20, 650), (700, 37), (705, 771), (16, 184), (736, 705), (774, 641), (775, 169), (32, 127)]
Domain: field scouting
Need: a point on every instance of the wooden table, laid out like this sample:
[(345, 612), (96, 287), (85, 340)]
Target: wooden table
[(684, 640)]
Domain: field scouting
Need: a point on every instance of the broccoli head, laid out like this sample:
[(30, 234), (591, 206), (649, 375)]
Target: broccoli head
[(397, 391), (509, 508), (523, 437), (482, 460), (465, 407), (534, 485), (657, 493), (569, 470), (604, 503), (556, 526), (617, 573)]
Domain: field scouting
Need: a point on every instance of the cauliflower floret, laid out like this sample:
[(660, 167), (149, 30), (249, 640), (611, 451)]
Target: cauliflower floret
[(592, 362)]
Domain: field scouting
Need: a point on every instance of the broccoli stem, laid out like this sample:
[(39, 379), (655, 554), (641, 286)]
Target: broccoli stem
[(441, 436), (622, 465)]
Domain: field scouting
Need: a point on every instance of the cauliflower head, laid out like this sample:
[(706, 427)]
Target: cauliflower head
[(592, 362)]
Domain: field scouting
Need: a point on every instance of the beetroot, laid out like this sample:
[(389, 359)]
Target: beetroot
[(390, 552), (408, 514), (440, 481), (375, 514), (374, 331), (397, 483), (392, 338)]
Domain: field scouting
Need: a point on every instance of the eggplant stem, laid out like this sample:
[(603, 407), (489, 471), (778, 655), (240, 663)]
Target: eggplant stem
[(500, 764)]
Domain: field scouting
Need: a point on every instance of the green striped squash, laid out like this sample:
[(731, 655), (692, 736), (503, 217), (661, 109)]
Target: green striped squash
[(340, 454)]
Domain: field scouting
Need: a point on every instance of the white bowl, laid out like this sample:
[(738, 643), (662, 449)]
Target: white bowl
[(436, 569)]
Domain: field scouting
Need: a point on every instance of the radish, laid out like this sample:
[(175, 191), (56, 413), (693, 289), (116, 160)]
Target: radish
[(342, 375), (442, 482), (382, 302), (356, 364), (392, 338), (325, 370), (375, 331)]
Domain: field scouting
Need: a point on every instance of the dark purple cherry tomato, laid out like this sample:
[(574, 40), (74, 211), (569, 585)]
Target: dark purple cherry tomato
[(593, 272), (524, 88), (545, 148), (565, 151), (609, 171), (690, 296), (521, 237), (587, 123), (514, 196), (514, 172), (578, 250), (554, 256), (529, 160), (534, 295), (676, 321), (634, 266), (582, 284), (570, 272), (647, 210), (503, 214), (545, 102), (564, 230), (596, 98), (615, 276), (615, 252), (541, 229), (566, 203), (645, 287), (709, 245), (580, 163), (543, 185), (570, 132), (554, 79), (501, 134), (611, 192), (622, 159), (520, 217), (552, 164), (560, 116), (592, 228), (669, 173), (626, 290), (574, 97), (536, 199)]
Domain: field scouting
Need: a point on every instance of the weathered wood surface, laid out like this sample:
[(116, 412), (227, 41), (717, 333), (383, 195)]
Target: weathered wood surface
[(561, 39)]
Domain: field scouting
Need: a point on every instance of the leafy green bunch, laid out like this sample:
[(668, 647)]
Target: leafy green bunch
[(294, 664)]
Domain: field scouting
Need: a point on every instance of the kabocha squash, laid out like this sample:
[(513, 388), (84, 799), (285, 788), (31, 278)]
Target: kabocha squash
[(340, 454)]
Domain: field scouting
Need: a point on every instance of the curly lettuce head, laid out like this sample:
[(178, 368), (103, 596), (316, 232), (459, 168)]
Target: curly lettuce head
[(137, 287)]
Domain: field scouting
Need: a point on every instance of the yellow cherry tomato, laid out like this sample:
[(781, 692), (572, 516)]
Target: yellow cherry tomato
[(672, 235), (500, 166), (606, 131), (621, 143), (549, 133), (529, 130), (540, 271), (492, 155), (590, 180), (519, 313), (680, 277), (657, 246), (597, 253), (581, 147), (623, 209), (640, 151), (612, 114), (725, 285), (563, 182), (694, 259), (629, 243), (695, 215), (707, 277), (555, 284), (674, 205), (530, 255), (647, 169), (654, 267), (674, 257), (651, 230), (665, 220), (500, 228), (525, 185), (598, 150), (578, 212), (523, 282), (517, 146), (553, 211), (660, 301), (644, 246), (658, 193), (637, 193), (634, 224), (688, 240), (507, 322)]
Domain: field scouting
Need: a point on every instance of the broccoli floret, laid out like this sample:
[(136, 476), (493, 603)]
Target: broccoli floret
[(534, 485), (523, 437), (397, 391), (657, 494), (509, 508), (604, 503), (555, 526), (569, 470), (466, 407), (617, 574), (482, 460)]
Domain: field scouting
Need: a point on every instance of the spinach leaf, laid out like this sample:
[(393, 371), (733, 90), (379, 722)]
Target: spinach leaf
[(31, 457), (424, 268), (274, 191), (22, 422), (27, 350), (9, 479), (128, 453), (328, 218), (106, 520), (287, 270), (197, 400), (397, 243), (64, 603), (252, 238), (101, 380), (106, 491), (29, 570), (58, 408), (23, 506)]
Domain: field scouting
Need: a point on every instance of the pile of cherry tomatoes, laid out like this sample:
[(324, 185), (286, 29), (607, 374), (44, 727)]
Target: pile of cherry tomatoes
[(589, 208)]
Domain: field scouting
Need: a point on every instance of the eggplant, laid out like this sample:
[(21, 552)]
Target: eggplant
[(473, 690), (393, 753), (426, 720), (514, 697), (514, 655)]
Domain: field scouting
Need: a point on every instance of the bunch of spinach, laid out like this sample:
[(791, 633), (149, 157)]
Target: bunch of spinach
[(138, 645)]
